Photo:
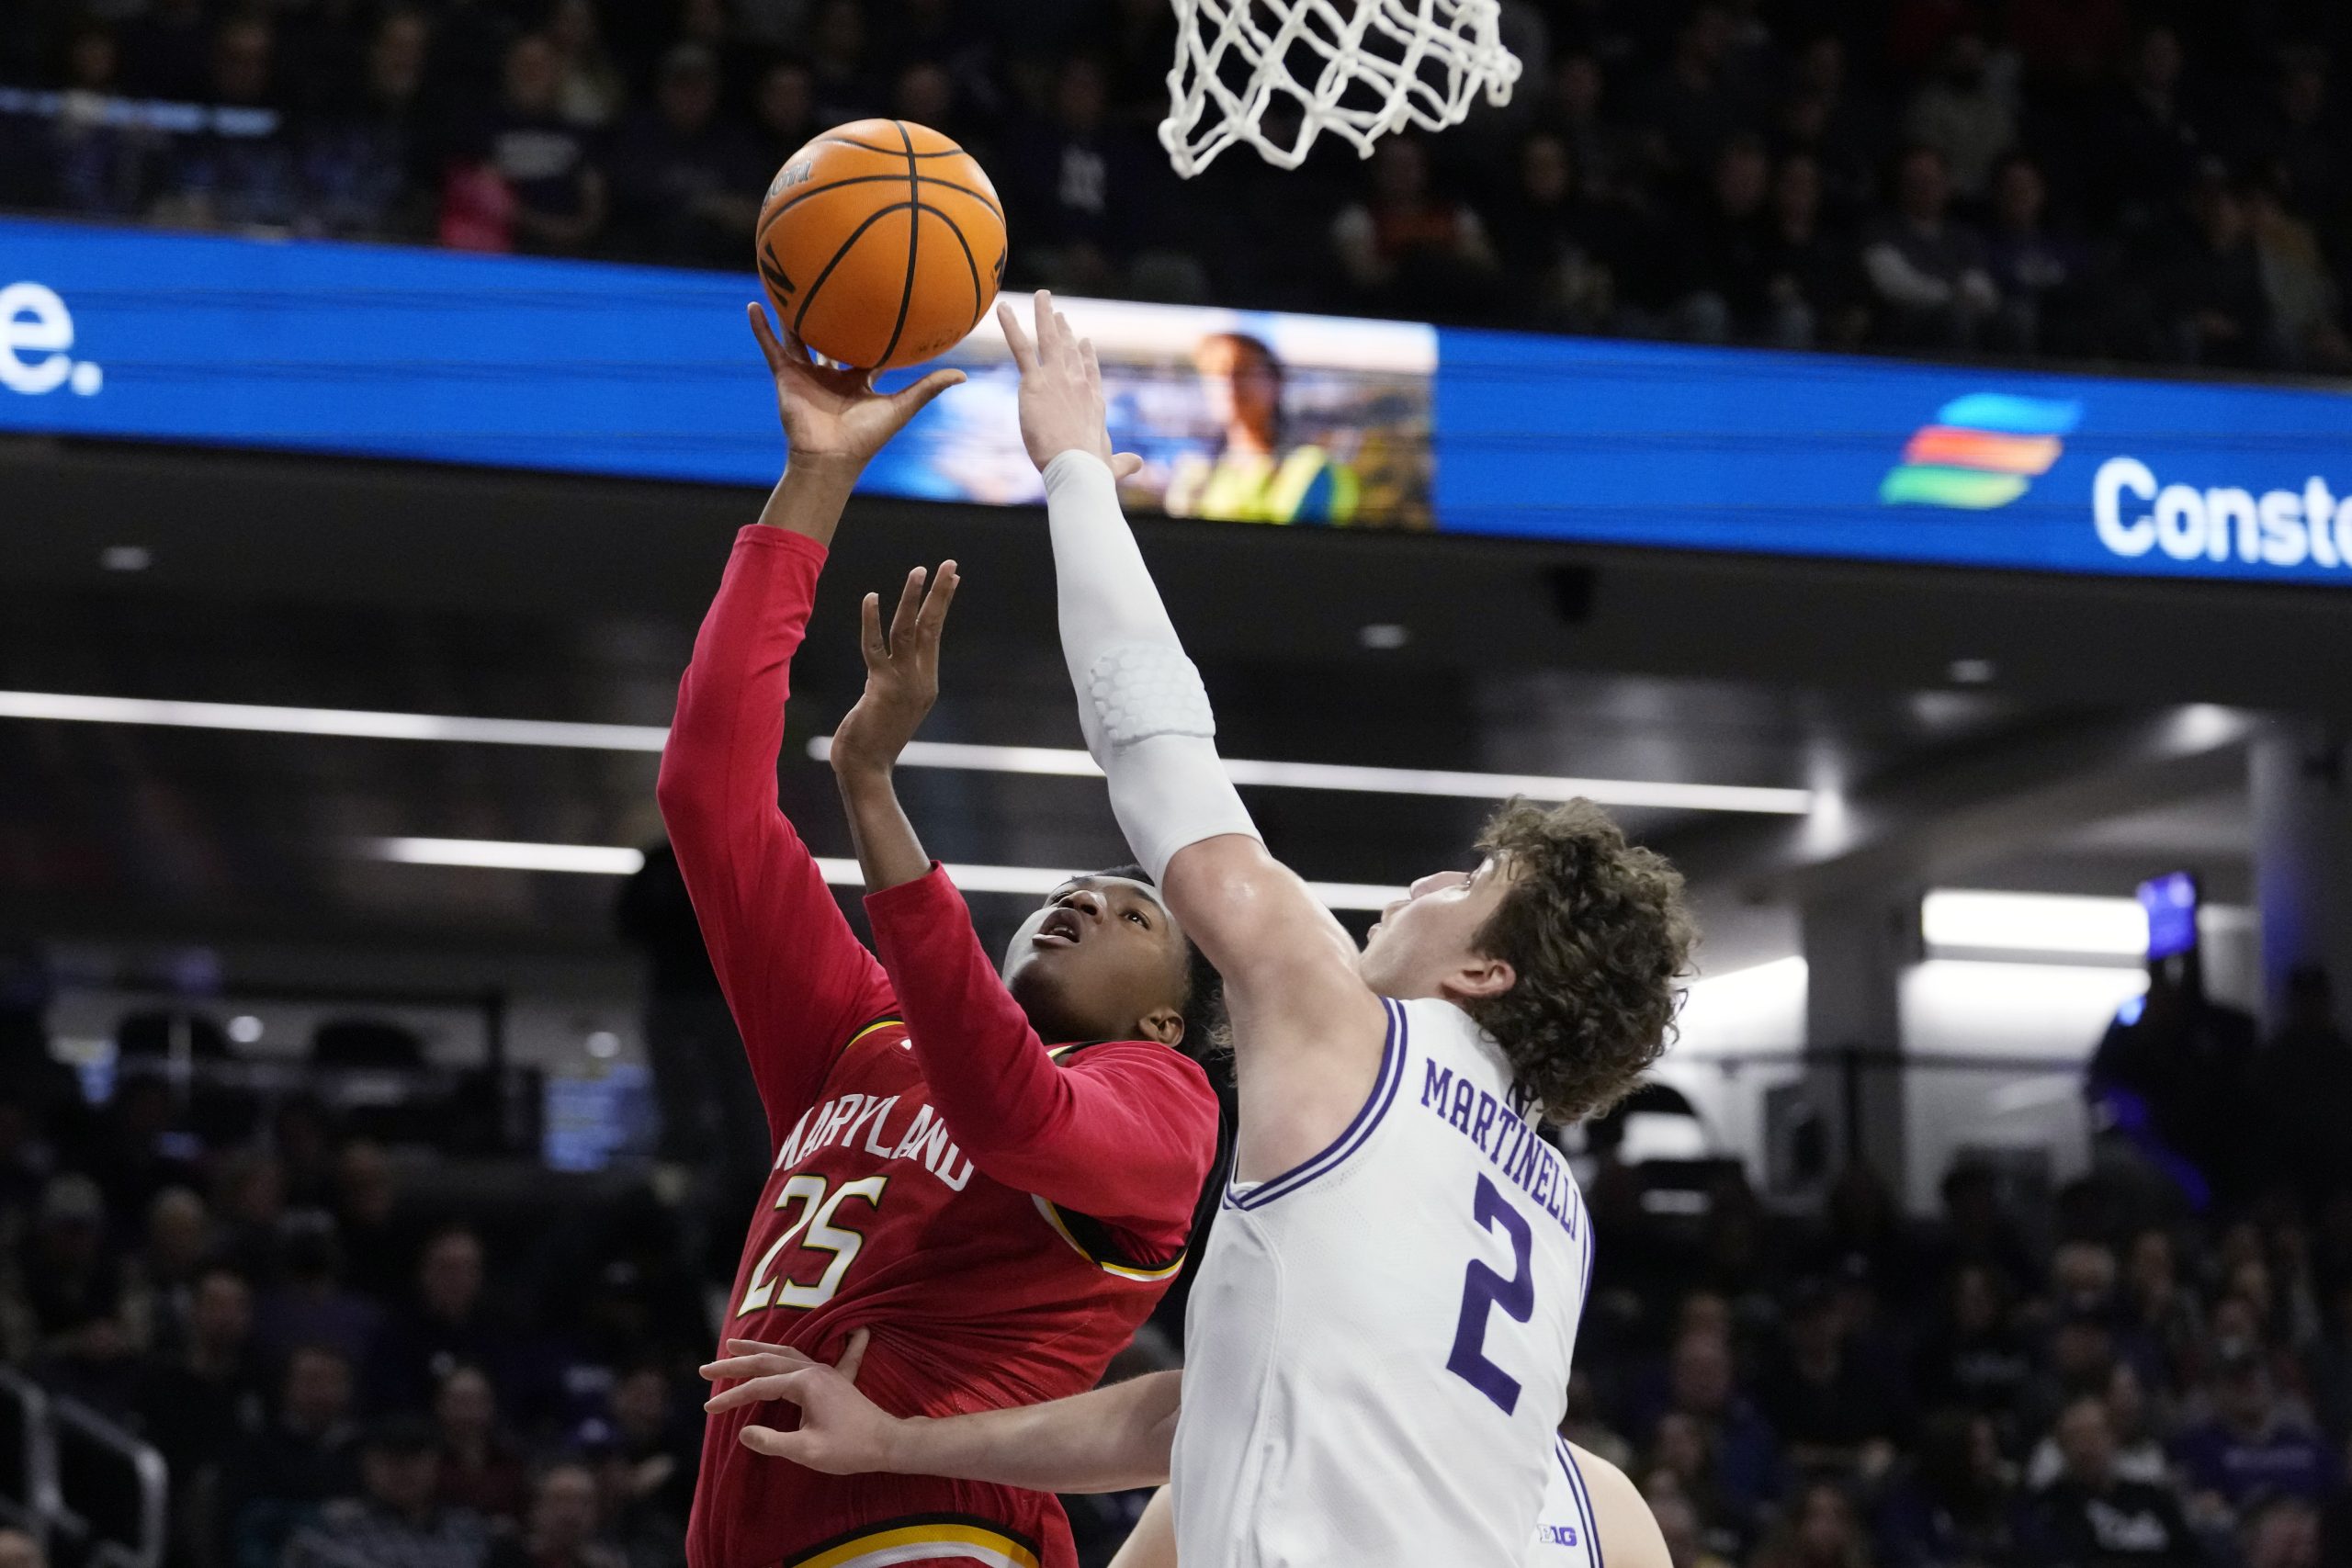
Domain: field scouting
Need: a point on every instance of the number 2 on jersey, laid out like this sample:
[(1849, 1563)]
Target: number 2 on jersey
[(1482, 1290), (818, 1211)]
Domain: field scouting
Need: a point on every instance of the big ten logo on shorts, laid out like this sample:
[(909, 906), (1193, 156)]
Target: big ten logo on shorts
[(36, 338)]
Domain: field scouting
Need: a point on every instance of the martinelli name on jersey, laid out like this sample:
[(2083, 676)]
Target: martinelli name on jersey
[(846, 1119), (1506, 1137)]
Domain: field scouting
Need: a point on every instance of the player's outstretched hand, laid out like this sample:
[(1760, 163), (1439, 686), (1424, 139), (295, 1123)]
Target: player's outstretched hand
[(1061, 388), (841, 1432), (833, 414), (901, 674)]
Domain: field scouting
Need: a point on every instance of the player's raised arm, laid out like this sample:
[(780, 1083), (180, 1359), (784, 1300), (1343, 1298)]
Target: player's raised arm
[(1307, 1032), (795, 973)]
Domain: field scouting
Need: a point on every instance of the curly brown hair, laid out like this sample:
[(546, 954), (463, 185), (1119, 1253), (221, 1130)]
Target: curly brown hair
[(1596, 932)]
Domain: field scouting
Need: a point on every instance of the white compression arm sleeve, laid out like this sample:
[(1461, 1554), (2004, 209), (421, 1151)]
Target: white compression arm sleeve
[(1140, 701)]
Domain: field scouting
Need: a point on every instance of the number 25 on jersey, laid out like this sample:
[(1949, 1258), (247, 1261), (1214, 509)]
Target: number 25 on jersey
[(818, 1217)]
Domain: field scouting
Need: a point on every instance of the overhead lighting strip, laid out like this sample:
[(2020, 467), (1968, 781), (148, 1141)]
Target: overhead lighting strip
[(616, 860), (1050, 760)]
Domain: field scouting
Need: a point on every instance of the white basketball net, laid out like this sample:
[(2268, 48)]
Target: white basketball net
[(1360, 68)]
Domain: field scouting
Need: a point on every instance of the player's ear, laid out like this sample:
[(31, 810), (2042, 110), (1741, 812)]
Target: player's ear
[(1165, 1025), (1479, 977)]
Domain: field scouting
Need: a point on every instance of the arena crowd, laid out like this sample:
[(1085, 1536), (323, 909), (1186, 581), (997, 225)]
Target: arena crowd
[(2169, 182)]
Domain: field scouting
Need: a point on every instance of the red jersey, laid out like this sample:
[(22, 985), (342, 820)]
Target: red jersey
[(1001, 1216)]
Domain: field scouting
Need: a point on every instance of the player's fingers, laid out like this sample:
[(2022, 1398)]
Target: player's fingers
[(934, 618), (1093, 367), (1025, 352), (1126, 465), (758, 1346), (903, 618), (757, 1391), (869, 632), (854, 1356), (775, 1444), (762, 1363), (1041, 304), (912, 399), (771, 350)]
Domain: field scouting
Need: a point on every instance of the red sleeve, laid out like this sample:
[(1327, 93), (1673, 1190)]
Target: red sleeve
[(1125, 1134), (799, 981)]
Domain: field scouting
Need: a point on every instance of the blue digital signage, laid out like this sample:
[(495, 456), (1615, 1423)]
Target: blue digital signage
[(1254, 417)]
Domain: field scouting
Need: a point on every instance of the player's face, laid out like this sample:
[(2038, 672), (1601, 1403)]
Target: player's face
[(1102, 959), (1426, 943)]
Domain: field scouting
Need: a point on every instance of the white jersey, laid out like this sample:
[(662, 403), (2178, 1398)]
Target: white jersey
[(1376, 1351), (1568, 1529)]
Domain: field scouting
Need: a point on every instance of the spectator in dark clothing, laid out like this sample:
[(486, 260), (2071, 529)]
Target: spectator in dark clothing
[(685, 190), (84, 161), (2146, 148), (1927, 267), (397, 1517), (1817, 1531), (1954, 1503), (1725, 251), (1691, 110), (1407, 247), (1975, 1359), (1604, 153), (164, 1272), (1746, 1452), (562, 1531), (447, 1325), (1827, 118), (237, 171), (309, 1305), (378, 1241), (2300, 137), (2091, 1518), (544, 190), (70, 1277), (1976, 1230), (1966, 115), (274, 1483), (2041, 276), (2174, 1083), (1074, 182), (785, 109), (1814, 287), (648, 1459), (2281, 1532), (2215, 312), (1552, 239), (1828, 1412), (846, 88), (201, 1404), (2161, 1317), (369, 162), (2251, 1447), (481, 1470)]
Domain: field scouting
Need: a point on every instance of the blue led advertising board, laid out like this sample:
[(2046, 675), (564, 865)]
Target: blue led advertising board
[(591, 367)]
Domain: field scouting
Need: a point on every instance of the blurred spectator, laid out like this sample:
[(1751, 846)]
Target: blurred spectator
[(1927, 267), (1690, 108), (2144, 148), (1407, 247), (1815, 287), (367, 164), (163, 1274), (1603, 153), (1745, 1452), (378, 1243), (2251, 1447), (2214, 309), (1955, 1503), (69, 1275), (2304, 1080), (592, 90), (1965, 114), (481, 1470), (274, 1483), (648, 1461), (2171, 1087), (1726, 253), (446, 1324), (1828, 1412), (1074, 179), (786, 109), (1552, 239), (1818, 1530), (397, 1517), (2130, 1417), (2162, 1315), (837, 57), (249, 1202), (236, 173), (2092, 1517), (2039, 275), (163, 51), (309, 1305), (685, 189), (18, 1550), (536, 184), (562, 1530), (203, 1402), (2283, 1532), (1975, 1358)]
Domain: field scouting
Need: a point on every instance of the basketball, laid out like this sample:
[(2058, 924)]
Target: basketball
[(880, 243)]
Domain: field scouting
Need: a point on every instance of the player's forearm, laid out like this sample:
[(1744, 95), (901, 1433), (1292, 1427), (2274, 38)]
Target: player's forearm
[(889, 853), (1107, 1439), (1141, 704), (810, 497)]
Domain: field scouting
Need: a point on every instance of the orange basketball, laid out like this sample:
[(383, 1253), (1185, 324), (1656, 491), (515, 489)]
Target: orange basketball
[(881, 242)]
